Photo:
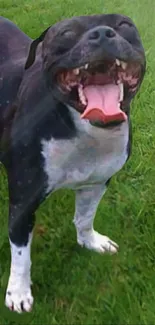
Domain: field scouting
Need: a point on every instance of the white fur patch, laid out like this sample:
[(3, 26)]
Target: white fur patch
[(99, 243), (94, 156), (18, 295)]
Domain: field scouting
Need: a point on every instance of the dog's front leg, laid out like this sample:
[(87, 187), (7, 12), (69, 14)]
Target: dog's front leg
[(87, 201), (26, 190), (18, 294)]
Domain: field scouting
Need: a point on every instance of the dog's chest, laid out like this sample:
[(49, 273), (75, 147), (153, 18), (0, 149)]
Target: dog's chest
[(92, 157)]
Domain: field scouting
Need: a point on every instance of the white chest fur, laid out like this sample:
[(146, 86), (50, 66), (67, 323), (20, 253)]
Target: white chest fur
[(92, 157)]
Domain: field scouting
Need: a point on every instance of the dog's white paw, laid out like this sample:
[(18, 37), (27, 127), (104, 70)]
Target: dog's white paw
[(19, 298), (99, 243)]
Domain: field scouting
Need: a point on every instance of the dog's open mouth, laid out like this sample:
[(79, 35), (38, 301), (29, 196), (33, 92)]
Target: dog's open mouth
[(100, 89)]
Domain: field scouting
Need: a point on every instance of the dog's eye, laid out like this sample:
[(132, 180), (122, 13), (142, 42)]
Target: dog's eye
[(66, 41), (67, 34), (125, 24)]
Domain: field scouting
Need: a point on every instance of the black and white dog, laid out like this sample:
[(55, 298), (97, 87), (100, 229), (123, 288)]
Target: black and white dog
[(64, 123)]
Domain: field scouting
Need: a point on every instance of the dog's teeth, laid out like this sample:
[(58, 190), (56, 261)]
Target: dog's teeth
[(81, 95), (121, 87), (123, 65), (86, 66), (76, 71), (118, 62)]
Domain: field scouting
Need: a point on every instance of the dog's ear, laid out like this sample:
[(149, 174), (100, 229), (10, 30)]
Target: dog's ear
[(33, 48)]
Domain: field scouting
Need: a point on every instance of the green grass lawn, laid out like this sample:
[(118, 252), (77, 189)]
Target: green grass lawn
[(73, 285)]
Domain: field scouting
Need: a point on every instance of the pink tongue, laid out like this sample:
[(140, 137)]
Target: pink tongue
[(103, 104)]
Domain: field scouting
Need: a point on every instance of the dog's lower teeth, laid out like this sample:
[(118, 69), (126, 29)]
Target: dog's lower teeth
[(81, 95), (86, 66), (121, 87)]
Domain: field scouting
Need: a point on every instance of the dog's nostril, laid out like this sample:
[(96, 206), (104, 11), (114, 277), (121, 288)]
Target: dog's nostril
[(95, 35), (110, 33), (101, 34)]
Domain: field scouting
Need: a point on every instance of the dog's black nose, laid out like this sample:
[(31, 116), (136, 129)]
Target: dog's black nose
[(100, 34)]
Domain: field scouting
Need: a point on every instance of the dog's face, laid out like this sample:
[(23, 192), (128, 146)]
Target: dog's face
[(94, 64)]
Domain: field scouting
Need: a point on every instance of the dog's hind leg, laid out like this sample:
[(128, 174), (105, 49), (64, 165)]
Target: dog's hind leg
[(87, 201)]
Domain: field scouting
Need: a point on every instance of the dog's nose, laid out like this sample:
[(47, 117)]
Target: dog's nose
[(100, 34)]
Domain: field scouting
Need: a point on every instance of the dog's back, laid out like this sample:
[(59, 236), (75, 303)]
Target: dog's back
[(14, 46)]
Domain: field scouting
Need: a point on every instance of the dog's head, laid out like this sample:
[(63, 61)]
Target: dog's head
[(94, 64)]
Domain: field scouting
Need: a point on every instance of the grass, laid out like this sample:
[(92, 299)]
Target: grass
[(71, 284)]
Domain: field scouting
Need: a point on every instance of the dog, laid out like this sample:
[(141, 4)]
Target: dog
[(64, 123)]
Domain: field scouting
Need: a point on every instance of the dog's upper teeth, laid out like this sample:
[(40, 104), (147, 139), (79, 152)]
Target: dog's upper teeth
[(121, 87), (86, 66), (123, 65), (118, 62), (76, 71)]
